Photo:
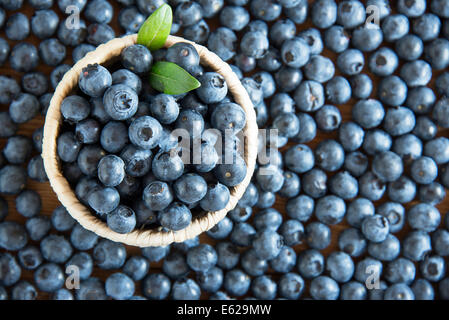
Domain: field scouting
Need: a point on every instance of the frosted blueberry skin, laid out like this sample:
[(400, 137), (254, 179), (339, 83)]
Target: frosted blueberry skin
[(94, 80), (120, 102)]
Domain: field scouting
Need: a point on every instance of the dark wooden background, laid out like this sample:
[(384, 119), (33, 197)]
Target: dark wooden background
[(50, 201)]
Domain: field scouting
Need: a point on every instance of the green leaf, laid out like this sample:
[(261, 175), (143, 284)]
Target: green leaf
[(170, 78), (155, 30)]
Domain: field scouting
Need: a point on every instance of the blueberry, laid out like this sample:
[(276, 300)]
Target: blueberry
[(91, 289), (336, 38), (352, 242), (338, 90), (365, 268), (392, 91), (291, 286), (441, 83), (400, 271), (227, 255), (300, 208), (44, 23), (167, 166), (72, 37), (271, 61), (386, 250), (324, 288), (234, 17), (410, 47), (57, 74), (212, 7), (88, 159), (24, 108), (416, 245), (310, 263), (35, 83), (231, 174), (222, 41), (185, 289), (156, 286), (175, 217), (41, 4), (309, 96), (109, 255), (395, 214), (9, 89), (122, 219), (433, 193), (18, 149), (298, 13), (399, 291), (288, 79), (236, 282), (439, 113), (433, 268), (23, 290), (17, 27), (416, 73), (104, 200), (81, 50), (440, 7), (188, 13), (99, 33), (8, 128), (111, 170), (340, 267), (94, 80), (395, 26), (75, 108), (315, 183), (49, 277), (266, 10), (11, 271), (295, 53), (423, 290), (367, 38), (114, 137), (61, 219), (120, 102), (88, 131), (383, 62), (351, 62), (24, 57), (437, 53), (318, 235), (350, 14), (242, 234), (28, 203), (281, 31), (412, 9), (119, 286), (12, 179), (402, 190), (99, 11), (424, 170), (30, 257), (324, 13), (375, 228), (56, 249)]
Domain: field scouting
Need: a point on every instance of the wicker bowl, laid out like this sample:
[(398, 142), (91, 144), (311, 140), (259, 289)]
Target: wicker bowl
[(152, 237)]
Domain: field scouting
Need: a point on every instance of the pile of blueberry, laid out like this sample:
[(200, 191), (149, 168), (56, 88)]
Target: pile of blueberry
[(122, 144), (354, 203)]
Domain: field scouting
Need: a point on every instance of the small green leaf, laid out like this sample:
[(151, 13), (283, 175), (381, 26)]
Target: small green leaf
[(155, 30), (170, 78)]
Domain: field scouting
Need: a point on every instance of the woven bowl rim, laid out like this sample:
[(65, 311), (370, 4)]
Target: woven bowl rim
[(151, 237)]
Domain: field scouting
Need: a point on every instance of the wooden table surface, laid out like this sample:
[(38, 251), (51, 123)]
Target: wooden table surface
[(50, 201)]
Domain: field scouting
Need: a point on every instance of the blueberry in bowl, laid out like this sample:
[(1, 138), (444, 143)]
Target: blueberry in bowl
[(173, 158)]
